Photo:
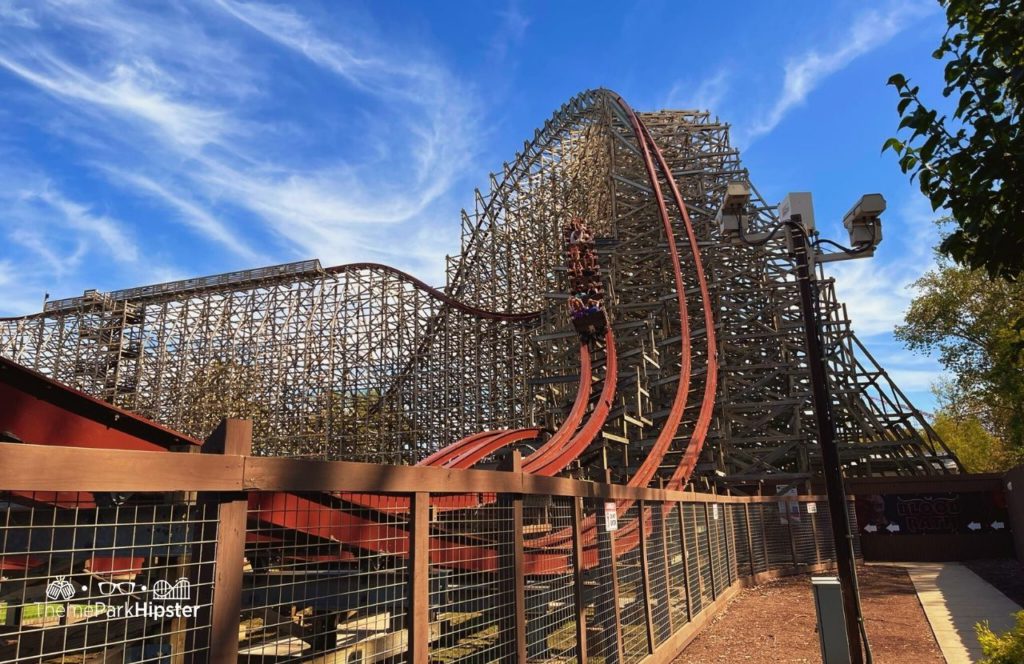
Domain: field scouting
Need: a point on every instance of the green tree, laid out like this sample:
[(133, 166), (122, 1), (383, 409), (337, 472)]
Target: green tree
[(969, 319), (977, 449), (973, 162), (361, 426)]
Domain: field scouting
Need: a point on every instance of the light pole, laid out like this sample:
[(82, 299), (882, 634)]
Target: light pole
[(863, 223), (825, 424)]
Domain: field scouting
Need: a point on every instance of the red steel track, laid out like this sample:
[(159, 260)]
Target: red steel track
[(41, 411)]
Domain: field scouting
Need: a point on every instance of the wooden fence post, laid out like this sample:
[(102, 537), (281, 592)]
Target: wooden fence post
[(577, 566), (216, 573), (645, 578), (669, 626), (515, 580), (750, 539), (792, 537), (711, 553), (686, 563), (731, 570), (418, 591), (764, 537)]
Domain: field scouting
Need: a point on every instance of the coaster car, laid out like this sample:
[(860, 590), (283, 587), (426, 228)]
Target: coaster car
[(591, 324)]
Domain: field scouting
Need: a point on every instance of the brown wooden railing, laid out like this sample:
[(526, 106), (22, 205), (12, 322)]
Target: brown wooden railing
[(297, 560)]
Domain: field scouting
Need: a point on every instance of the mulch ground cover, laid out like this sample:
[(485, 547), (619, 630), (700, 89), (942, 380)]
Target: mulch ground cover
[(1006, 574), (775, 623)]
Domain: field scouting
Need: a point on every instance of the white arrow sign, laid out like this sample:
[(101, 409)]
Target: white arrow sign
[(974, 525), (893, 528), (998, 525), (871, 528)]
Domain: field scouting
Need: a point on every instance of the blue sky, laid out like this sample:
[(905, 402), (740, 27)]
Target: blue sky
[(147, 141)]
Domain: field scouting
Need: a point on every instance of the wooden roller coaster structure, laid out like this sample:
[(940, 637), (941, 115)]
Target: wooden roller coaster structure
[(688, 367)]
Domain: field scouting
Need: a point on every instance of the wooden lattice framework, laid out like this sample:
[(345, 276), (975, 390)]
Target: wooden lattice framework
[(364, 362)]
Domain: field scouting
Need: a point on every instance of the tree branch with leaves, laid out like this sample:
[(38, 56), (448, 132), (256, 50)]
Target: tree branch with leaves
[(972, 163)]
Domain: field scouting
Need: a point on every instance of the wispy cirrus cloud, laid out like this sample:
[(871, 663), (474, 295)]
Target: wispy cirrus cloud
[(191, 213), (129, 90), (35, 207), (186, 133), (803, 73), (705, 95), (433, 106), (10, 14), (49, 238), (512, 26)]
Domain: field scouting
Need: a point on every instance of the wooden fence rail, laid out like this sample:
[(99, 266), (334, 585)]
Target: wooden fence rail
[(291, 560)]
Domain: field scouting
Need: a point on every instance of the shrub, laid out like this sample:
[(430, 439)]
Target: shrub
[(1005, 648)]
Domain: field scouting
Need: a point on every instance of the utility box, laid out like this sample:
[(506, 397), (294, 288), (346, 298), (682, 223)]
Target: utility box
[(798, 204), (828, 603)]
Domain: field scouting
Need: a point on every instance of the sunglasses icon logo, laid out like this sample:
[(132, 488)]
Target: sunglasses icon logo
[(117, 587)]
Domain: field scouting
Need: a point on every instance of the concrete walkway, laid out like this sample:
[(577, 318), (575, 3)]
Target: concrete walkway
[(954, 600)]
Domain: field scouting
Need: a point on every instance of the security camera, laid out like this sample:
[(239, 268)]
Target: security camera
[(731, 217), (863, 222)]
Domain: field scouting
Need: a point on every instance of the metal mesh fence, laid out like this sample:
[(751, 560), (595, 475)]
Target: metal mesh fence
[(805, 535), (657, 565), (601, 583), (691, 545), (102, 577), (324, 574), (775, 521), (740, 539), (759, 547), (677, 567), (707, 581), (472, 578), (99, 577), (632, 598), (550, 595)]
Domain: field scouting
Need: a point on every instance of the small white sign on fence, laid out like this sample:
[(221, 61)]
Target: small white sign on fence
[(812, 508), (714, 511), (611, 517)]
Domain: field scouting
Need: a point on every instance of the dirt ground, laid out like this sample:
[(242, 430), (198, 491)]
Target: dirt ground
[(775, 624)]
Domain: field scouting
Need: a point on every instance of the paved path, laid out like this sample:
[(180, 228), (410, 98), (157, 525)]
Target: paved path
[(954, 600)]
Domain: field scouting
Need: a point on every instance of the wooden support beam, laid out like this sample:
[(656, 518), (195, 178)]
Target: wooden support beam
[(218, 587), (686, 566), (663, 511), (645, 579), (418, 590), (512, 567), (711, 550), (750, 540), (577, 568)]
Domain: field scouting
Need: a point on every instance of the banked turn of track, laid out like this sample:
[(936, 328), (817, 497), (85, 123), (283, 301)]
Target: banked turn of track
[(331, 517)]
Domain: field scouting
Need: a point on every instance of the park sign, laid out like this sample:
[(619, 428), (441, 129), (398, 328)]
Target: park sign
[(931, 513)]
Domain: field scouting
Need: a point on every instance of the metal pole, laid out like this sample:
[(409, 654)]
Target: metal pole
[(831, 467)]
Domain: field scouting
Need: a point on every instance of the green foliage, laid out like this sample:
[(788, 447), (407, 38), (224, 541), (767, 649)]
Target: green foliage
[(978, 450), (970, 320), (1007, 648), (973, 163), (365, 426)]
